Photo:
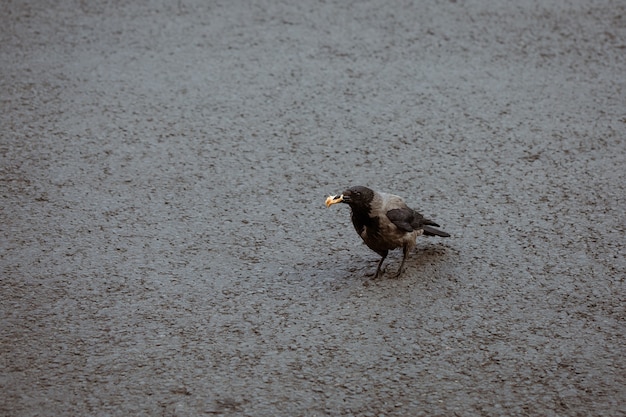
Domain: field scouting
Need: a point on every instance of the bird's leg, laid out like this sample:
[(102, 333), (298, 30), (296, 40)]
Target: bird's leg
[(380, 264), (405, 250)]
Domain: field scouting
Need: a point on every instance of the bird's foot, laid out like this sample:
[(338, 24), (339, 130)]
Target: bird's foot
[(375, 274), (397, 274)]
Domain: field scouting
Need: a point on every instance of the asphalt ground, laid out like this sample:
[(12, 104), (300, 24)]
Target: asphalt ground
[(165, 249)]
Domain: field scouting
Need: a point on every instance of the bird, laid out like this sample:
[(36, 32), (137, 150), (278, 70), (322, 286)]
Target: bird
[(385, 222)]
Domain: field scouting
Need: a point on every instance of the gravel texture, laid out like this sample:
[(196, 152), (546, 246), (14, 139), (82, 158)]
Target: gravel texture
[(166, 250)]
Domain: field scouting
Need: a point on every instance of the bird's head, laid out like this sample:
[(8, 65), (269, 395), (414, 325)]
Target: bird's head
[(357, 196)]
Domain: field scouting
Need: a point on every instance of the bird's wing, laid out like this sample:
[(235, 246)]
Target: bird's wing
[(402, 218)]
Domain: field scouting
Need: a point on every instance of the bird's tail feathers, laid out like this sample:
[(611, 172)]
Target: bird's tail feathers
[(431, 231)]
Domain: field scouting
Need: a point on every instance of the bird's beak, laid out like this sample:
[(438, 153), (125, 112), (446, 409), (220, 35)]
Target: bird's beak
[(333, 199)]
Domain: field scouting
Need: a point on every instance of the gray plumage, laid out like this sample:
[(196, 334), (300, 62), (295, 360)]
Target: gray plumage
[(385, 222)]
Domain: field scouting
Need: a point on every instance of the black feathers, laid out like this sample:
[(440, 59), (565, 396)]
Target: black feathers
[(385, 222), (431, 231)]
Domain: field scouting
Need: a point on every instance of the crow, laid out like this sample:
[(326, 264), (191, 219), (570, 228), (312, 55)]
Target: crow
[(385, 222)]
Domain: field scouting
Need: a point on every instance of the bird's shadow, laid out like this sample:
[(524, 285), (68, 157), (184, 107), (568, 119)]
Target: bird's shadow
[(423, 255), (429, 252)]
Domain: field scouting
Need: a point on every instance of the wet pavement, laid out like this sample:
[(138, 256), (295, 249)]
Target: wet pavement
[(165, 246)]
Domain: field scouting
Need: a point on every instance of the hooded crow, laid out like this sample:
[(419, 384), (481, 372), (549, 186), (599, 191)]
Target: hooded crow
[(385, 222)]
